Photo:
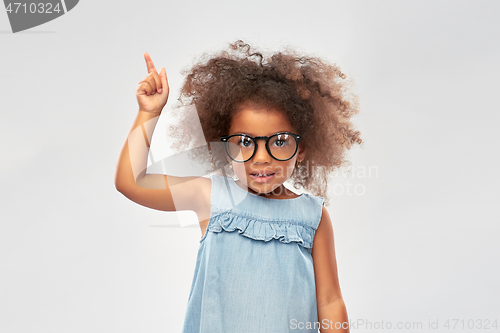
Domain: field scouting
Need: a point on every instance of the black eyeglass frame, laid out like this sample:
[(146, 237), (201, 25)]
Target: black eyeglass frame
[(225, 139)]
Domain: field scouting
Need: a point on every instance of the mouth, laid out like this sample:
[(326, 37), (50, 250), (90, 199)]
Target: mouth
[(262, 177)]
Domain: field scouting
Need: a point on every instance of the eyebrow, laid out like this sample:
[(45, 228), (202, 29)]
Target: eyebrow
[(251, 134)]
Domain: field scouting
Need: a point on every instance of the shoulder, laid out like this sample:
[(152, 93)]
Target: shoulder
[(323, 237), (190, 193), (205, 185), (325, 221)]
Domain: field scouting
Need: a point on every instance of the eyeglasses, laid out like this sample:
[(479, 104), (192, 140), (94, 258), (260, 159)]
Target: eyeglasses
[(281, 146)]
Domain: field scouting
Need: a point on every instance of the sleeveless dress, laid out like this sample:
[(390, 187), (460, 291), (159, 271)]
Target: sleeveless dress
[(254, 270)]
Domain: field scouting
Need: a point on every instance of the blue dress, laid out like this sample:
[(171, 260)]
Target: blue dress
[(254, 270)]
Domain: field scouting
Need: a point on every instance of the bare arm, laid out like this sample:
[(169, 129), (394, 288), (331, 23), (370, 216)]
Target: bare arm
[(332, 313), (155, 191)]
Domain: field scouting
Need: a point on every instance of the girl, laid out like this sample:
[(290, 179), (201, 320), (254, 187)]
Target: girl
[(266, 261)]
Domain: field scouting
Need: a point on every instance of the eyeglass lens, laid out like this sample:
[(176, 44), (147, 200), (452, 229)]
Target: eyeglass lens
[(241, 148)]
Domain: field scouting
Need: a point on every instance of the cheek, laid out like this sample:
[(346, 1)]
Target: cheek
[(239, 169), (285, 169)]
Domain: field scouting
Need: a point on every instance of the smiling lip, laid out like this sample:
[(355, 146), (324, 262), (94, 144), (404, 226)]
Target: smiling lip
[(262, 179)]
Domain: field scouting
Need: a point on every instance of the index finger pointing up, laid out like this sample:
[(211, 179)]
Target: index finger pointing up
[(149, 63)]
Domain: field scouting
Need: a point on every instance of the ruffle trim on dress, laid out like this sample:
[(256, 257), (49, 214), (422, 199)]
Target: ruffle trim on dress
[(285, 232)]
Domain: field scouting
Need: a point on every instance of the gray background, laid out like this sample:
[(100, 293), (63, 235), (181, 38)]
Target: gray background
[(420, 243)]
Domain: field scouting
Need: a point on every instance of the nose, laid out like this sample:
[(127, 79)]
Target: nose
[(261, 154)]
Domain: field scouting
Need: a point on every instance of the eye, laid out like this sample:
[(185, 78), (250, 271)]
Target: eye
[(245, 141), (279, 143), (280, 140)]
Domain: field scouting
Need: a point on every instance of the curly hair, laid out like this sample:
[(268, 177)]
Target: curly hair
[(313, 94)]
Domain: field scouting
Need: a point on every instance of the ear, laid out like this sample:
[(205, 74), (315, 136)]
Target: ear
[(301, 152)]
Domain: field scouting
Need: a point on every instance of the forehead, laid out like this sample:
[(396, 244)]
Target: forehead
[(260, 122)]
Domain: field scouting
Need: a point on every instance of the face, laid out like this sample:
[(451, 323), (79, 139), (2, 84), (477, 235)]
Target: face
[(261, 121)]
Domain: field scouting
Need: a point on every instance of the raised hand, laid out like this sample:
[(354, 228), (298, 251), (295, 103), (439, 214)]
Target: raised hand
[(152, 91)]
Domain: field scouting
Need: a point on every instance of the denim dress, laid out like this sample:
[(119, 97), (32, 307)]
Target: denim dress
[(254, 270)]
